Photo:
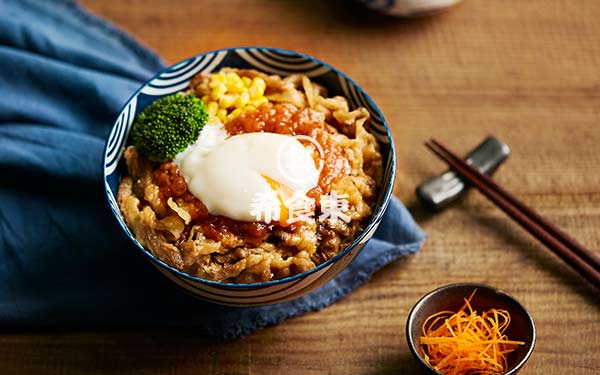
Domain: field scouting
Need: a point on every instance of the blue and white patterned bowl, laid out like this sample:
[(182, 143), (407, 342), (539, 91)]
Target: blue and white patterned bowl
[(271, 61)]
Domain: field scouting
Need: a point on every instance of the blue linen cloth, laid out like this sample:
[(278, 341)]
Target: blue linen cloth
[(63, 263)]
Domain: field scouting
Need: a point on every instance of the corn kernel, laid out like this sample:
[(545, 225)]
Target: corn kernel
[(258, 101), (222, 114), (219, 77), (219, 90), (242, 100), (260, 83), (206, 99), (212, 108), (255, 92), (226, 101), (233, 77), (249, 108), (235, 113), (235, 85), (246, 81)]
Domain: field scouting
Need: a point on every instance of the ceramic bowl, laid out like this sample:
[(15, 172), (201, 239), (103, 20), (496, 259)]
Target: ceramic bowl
[(451, 297), (409, 8), (271, 61)]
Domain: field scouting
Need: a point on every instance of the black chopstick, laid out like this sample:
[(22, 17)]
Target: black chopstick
[(581, 259)]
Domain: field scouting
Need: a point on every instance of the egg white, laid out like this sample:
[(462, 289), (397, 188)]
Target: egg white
[(230, 175)]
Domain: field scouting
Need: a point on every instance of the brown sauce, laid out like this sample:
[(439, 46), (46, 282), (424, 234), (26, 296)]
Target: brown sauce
[(172, 185)]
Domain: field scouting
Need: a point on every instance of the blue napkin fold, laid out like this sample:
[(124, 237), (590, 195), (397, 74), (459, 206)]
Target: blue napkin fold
[(63, 263)]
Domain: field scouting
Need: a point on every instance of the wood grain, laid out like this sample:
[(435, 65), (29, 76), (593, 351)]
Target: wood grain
[(525, 71)]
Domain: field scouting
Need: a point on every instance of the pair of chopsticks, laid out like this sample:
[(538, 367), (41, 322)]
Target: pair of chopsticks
[(567, 248)]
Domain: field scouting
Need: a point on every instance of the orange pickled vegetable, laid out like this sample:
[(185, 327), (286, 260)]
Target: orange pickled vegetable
[(465, 342)]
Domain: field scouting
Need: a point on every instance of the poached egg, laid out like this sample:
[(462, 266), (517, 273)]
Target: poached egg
[(231, 175)]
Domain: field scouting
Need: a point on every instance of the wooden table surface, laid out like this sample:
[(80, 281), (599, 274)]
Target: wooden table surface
[(525, 71)]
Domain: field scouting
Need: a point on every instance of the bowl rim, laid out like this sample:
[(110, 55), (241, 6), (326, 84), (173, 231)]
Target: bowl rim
[(411, 315), (373, 222)]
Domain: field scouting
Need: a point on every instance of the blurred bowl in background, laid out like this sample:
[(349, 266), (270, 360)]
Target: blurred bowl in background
[(409, 8)]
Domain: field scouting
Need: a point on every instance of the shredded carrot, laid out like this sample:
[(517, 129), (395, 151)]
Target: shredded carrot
[(466, 343)]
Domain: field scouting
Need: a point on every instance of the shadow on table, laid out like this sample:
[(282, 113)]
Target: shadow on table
[(169, 351), (421, 214), (503, 227), (401, 364), (352, 15)]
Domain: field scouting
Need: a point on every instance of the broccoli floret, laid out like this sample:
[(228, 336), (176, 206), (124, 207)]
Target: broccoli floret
[(168, 126)]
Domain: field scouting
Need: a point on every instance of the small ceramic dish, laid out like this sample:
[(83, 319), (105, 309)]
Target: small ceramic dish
[(451, 297)]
